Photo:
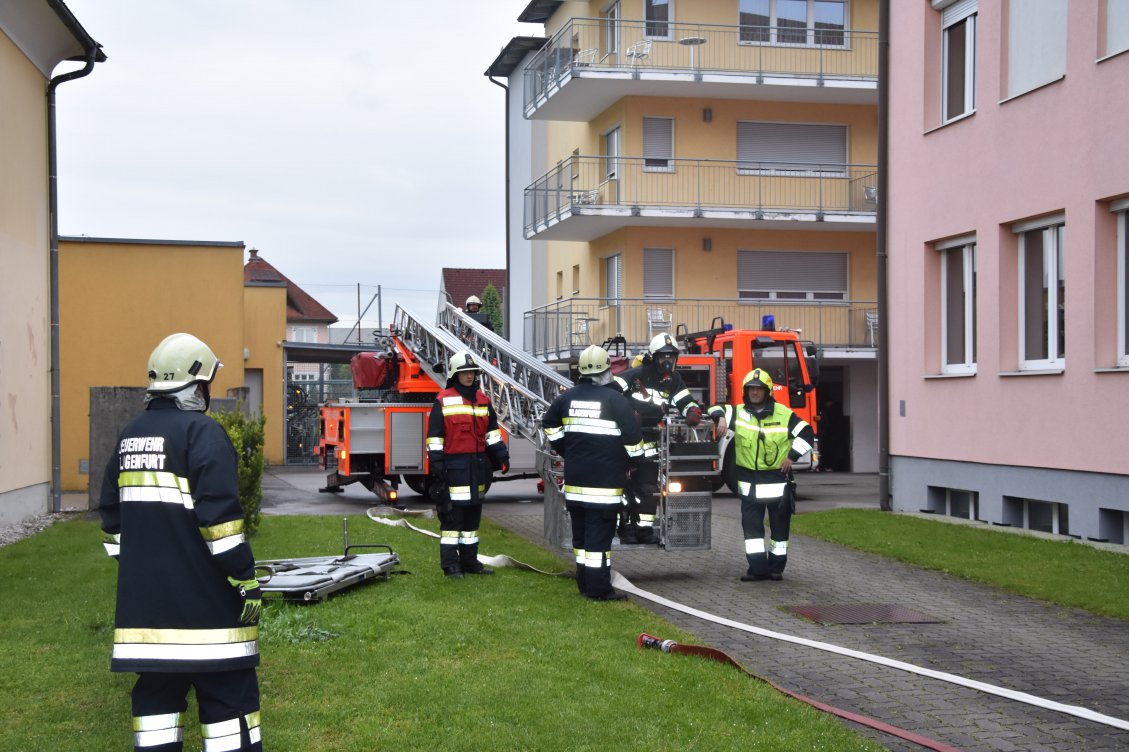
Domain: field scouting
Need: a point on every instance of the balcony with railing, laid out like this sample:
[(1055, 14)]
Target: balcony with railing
[(585, 197), (592, 62), (560, 330)]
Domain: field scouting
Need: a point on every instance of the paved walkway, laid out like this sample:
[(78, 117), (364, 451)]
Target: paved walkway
[(1008, 641)]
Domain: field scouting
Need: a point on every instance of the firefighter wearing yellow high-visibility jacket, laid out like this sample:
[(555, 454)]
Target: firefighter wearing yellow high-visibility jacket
[(768, 438)]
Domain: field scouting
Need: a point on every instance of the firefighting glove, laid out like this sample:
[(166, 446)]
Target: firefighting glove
[(693, 416), (252, 597)]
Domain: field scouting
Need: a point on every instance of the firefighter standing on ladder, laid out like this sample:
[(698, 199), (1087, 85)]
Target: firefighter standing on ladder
[(768, 438), (594, 430), (652, 388), (464, 444), (187, 603)]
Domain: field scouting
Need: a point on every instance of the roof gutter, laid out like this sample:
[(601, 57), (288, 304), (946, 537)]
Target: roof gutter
[(506, 183), (91, 55), (884, 498)]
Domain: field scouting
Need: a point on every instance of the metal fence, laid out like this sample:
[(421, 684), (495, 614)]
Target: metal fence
[(762, 51), (303, 413), (704, 185), (562, 329)]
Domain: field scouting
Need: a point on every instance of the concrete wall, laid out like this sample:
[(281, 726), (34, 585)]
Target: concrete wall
[(118, 300), (25, 345)]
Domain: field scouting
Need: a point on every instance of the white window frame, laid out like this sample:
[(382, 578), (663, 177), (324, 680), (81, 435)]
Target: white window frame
[(954, 13), (966, 246), (612, 29), (1053, 231), (651, 295), (304, 334), (813, 259), (653, 147), (810, 31), (795, 128), (669, 22), (1121, 209)]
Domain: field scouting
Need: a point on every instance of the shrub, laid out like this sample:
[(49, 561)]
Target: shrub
[(246, 434)]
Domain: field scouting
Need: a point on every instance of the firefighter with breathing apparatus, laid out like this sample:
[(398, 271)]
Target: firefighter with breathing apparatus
[(652, 389), (464, 446)]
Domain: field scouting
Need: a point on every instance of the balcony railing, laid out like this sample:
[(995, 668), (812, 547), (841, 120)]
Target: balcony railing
[(762, 51), (703, 187), (560, 330)]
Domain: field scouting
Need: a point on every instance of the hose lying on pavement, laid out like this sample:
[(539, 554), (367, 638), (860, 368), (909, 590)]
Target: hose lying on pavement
[(670, 646), (619, 582)]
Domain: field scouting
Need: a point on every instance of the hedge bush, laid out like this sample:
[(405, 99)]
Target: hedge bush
[(246, 434)]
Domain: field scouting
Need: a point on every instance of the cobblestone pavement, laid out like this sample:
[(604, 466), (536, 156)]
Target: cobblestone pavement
[(1008, 641)]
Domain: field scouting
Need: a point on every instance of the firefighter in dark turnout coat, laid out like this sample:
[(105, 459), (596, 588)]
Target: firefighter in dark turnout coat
[(464, 445), (652, 389), (187, 601), (594, 430), (768, 438)]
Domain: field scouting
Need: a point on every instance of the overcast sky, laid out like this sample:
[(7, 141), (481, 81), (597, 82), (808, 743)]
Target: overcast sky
[(350, 141)]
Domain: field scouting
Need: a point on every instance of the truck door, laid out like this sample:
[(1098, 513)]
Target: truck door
[(782, 361)]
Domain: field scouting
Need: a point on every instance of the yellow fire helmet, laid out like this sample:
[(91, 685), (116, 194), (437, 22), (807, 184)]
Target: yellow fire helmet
[(180, 360), (461, 361), (594, 360), (757, 375)]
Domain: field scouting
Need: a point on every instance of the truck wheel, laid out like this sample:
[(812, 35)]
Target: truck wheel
[(417, 483), (729, 469)]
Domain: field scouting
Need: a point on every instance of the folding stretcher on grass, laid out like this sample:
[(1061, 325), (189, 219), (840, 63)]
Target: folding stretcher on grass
[(314, 578)]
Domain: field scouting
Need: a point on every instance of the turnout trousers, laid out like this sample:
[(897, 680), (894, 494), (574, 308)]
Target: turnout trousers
[(229, 710), (766, 555), (458, 537), (592, 533)]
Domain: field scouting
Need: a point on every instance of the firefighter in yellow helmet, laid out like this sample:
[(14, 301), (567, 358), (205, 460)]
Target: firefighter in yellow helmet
[(595, 431), (464, 447), (187, 600), (768, 438), (653, 389)]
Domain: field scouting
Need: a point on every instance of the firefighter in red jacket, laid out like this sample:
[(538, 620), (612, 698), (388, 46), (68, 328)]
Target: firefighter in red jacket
[(464, 445), (187, 602)]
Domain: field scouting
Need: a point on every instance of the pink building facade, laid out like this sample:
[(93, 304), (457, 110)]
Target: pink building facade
[(1007, 237)]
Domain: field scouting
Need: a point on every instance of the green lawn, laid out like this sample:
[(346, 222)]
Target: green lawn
[(1063, 572), (517, 661)]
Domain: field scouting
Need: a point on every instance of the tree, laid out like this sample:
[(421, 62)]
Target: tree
[(492, 306)]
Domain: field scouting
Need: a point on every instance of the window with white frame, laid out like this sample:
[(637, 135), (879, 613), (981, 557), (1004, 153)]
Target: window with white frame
[(658, 272), (958, 305), (1121, 208), (791, 275), (817, 149), (304, 334), (658, 144), (808, 22), (958, 57), (1036, 44), (1116, 27), (613, 279), (658, 15), (1042, 294)]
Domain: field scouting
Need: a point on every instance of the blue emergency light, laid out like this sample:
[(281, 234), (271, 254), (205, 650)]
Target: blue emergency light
[(768, 323)]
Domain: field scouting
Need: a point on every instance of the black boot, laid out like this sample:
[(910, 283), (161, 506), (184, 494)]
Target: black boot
[(449, 560), (468, 560)]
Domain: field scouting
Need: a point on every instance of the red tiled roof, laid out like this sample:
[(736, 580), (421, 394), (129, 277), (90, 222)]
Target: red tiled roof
[(460, 284), (300, 306)]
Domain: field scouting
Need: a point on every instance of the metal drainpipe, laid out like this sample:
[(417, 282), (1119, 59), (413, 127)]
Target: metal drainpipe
[(506, 294), (53, 209), (884, 500)]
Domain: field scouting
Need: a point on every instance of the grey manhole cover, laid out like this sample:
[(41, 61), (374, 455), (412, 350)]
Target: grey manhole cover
[(862, 613)]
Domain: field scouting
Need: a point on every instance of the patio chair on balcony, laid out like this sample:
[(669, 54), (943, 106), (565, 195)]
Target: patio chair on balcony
[(580, 335), (872, 328), (639, 51), (586, 57), (658, 320)]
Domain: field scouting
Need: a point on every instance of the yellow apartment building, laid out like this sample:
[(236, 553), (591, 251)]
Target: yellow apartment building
[(670, 162)]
